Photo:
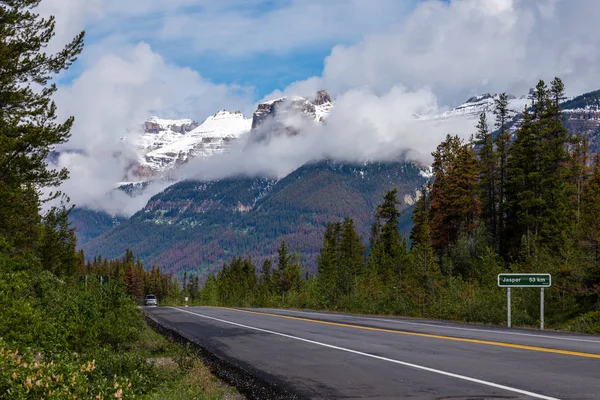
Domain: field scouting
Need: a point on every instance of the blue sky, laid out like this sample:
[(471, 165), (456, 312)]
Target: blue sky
[(253, 48), (229, 25)]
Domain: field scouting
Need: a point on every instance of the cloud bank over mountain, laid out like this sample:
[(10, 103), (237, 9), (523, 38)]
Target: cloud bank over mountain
[(387, 62)]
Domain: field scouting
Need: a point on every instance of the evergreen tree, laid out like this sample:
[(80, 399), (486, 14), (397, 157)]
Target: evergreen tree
[(424, 273), (591, 233), (487, 174), (421, 230), (454, 200), (556, 182), (352, 257), (523, 188), (287, 274), (591, 213), (27, 113), (58, 243), (266, 274), (265, 283), (28, 128), (502, 145), (389, 249), (329, 260)]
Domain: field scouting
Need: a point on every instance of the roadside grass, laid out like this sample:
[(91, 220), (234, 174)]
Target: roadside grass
[(183, 375), (194, 383)]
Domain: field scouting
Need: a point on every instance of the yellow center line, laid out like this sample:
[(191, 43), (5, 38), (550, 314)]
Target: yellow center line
[(427, 335)]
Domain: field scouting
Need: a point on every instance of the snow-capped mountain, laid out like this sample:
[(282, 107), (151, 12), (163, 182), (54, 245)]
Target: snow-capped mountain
[(472, 108), (288, 115), (166, 143)]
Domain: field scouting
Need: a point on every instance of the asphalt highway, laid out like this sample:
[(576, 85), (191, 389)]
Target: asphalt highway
[(339, 356)]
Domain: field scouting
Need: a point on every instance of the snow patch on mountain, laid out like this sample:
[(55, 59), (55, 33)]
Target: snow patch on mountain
[(167, 143), (473, 108)]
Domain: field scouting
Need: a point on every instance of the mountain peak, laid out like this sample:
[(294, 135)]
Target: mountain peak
[(322, 98), (166, 143), (317, 109)]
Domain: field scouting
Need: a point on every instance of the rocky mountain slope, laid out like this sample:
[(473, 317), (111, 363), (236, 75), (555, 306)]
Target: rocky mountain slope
[(165, 144), (582, 116), (199, 225), (474, 106)]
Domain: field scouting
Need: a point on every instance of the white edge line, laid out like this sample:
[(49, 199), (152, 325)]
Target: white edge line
[(420, 367), (438, 326)]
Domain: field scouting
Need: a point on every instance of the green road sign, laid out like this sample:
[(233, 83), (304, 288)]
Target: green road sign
[(524, 280)]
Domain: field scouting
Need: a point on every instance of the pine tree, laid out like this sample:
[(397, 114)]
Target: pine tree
[(352, 258), (389, 250), (28, 131), (487, 174), (58, 243), (287, 274), (27, 113), (454, 201), (266, 274), (591, 232), (266, 282), (556, 184), (502, 142), (591, 212), (523, 187), (329, 260), (421, 230), (541, 187)]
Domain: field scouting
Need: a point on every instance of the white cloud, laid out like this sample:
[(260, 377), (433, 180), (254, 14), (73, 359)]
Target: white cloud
[(472, 46), (115, 96), (232, 27), (299, 24), (442, 54), (363, 126), (435, 57)]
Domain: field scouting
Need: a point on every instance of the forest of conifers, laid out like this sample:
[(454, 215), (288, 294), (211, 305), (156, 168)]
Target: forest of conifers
[(503, 201)]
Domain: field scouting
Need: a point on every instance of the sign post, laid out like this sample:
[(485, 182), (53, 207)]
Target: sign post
[(525, 280), (542, 309), (508, 306)]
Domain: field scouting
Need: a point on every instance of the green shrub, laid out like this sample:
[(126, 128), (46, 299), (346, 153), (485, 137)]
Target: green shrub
[(24, 376), (586, 323)]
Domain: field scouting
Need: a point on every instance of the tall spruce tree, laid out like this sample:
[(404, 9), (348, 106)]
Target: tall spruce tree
[(28, 127), (556, 184), (454, 201), (329, 259), (287, 275), (502, 142), (487, 173), (421, 230), (352, 257), (425, 270), (389, 250), (523, 188), (591, 232), (27, 113), (541, 186)]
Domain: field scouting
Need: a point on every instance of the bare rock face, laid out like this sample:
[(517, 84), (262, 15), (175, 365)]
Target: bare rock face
[(582, 120), (152, 127), (286, 116), (322, 98), (265, 110), (155, 127)]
